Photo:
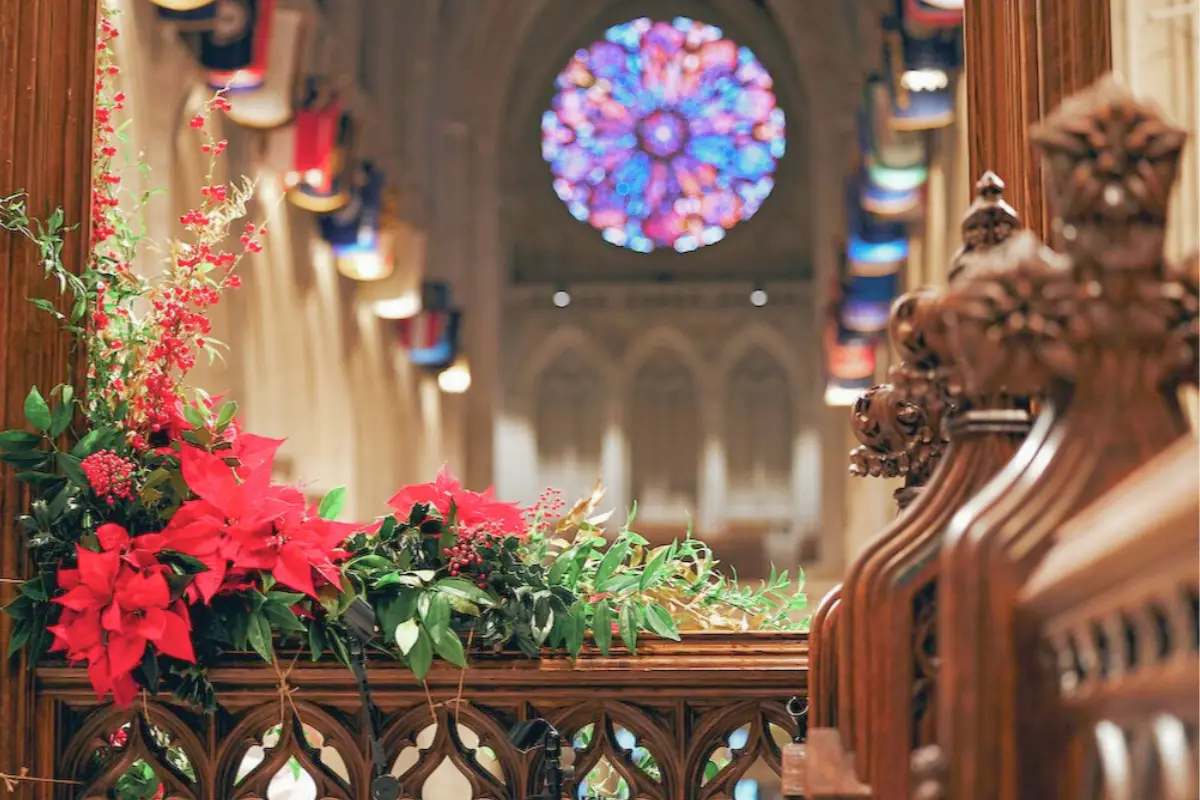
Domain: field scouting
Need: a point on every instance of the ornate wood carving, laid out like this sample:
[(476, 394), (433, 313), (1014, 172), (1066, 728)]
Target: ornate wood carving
[(680, 721), (1113, 325), (47, 58)]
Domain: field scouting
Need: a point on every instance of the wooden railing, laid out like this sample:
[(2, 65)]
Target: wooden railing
[(678, 721)]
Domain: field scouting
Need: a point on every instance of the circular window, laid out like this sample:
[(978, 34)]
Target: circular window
[(663, 134)]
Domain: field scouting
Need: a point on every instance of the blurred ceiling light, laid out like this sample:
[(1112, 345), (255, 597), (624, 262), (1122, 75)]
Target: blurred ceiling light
[(925, 80), (456, 378), (397, 295), (561, 298), (270, 105), (758, 297), (839, 396)]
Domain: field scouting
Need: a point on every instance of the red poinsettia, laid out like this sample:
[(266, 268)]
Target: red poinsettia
[(242, 523), (116, 603), (461, 507)]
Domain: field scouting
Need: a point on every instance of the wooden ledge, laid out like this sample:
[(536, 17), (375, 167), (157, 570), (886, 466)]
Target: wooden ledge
[(721, 666)]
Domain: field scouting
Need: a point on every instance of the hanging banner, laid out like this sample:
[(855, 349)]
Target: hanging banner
[(430, 337), (878, 245), (270, 104), (926, 14), (188, 15), (324, 144), (920, 74), (867, 302), (850, 365), (236, 47), (354, 229)]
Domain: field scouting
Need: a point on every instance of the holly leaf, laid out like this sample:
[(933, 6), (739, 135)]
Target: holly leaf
[(36, 410), (332, 503), (602, 621)]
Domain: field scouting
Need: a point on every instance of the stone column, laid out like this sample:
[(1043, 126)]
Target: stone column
[(47, 61)]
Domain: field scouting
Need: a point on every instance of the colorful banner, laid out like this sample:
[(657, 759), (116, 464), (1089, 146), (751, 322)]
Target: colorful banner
[(850, 365), (271, 103), (236, 47), (867, 303), (430, 337), (920, 76), (933, 13), (355, 228), (324, 146)]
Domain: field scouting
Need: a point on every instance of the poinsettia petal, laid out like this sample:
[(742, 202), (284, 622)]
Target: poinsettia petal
[(98, 570), (211, 478), (125, 652), (112, 536), (255, 451), (111, 618), (176, 640), (124, 690), (209, 583), (152, 624), (100, 677), (294, 571), (82, 598)]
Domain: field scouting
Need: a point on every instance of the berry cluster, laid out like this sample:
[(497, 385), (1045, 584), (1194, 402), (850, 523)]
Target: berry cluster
[(468, 555), (110, 475)]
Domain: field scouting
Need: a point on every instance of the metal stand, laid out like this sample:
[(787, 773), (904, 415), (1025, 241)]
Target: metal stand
[(525, 736), (360, 620)]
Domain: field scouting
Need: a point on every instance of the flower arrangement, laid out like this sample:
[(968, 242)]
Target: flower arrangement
[(159, 540)]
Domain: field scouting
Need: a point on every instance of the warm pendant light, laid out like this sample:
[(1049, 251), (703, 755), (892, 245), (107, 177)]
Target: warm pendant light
[(182, 5), (456, 378), (270, 105), (398, 295)]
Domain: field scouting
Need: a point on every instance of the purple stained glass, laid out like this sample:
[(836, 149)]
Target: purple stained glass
[(664, 134)]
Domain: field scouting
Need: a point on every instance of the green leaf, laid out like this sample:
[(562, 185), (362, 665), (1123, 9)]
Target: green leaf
[(36, 410), (283, 619), (560, 566), (17, 441), (286, 599), (629, 627), (575, 627), (61, 418), (20, 636), (420, 658), (450, 648), (612, 559), (602, 621), (435, 614), (406, 635), (462, 588), (661, 622), (391, 611), (194, 417), (654, 567), (20, 608), (316, 640), (226, 414), (332, 503), (70, 465), (35, 590), (260, 636)]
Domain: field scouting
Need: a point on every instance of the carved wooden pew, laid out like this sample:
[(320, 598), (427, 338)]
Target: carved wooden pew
[(1112, 327), (884, 615), (1115, 605)]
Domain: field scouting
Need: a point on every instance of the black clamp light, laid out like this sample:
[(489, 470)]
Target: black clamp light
[(359, 620), (531, 734)]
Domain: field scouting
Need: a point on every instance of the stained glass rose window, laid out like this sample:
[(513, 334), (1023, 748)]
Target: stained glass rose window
[(663, 134)]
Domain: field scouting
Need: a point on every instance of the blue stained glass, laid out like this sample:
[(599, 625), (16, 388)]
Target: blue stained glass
[(663, 134)]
